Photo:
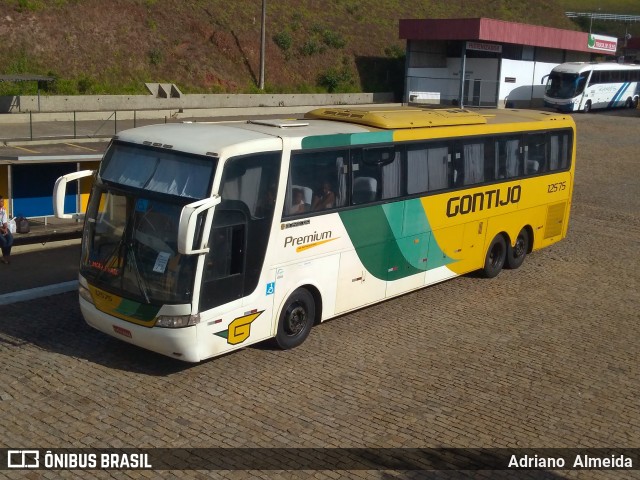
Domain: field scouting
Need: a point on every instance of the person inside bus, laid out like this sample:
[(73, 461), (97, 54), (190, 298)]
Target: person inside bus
[(297, 202), (267, 201), (325, 198), (6, 238)]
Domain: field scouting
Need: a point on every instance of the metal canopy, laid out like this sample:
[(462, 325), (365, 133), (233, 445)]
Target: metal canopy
[(26, 78), (604, 16)]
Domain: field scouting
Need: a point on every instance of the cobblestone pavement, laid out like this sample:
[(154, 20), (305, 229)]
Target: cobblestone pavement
[(544, 357)]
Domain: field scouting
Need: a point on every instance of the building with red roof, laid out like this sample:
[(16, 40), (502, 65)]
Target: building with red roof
[(487, 62)]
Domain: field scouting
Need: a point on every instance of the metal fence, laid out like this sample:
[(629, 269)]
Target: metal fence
[(73, 125)]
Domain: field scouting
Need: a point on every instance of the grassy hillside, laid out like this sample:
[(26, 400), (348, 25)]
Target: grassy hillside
[(213, 46), (605, 27)]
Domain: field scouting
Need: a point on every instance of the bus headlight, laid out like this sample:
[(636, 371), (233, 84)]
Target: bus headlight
[(85, 294), (177, 321)]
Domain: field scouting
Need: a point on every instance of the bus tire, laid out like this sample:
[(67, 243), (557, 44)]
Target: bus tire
[(496, 256), (517, 253), (628, 103), (587, 107), (296, 319)]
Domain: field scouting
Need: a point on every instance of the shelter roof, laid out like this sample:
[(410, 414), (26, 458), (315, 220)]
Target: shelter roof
[(25, 78), (491, 30)]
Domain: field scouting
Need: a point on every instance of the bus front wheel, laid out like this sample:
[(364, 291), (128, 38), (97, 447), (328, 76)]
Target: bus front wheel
[(587, 106), (296, 319), (516, 254), (496, 256)]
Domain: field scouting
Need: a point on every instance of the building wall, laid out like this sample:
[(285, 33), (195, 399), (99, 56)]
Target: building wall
[(443, 83), (528, 88), (520, 84)]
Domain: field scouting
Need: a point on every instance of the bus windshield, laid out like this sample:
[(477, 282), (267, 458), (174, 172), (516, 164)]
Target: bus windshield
[(130, 238), (565, 85), (129, 248)]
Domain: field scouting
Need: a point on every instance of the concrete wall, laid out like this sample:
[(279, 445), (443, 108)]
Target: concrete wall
[(88, 103)]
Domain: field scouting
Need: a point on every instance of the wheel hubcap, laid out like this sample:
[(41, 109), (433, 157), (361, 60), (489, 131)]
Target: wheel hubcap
[(518, 250), (296, 320)]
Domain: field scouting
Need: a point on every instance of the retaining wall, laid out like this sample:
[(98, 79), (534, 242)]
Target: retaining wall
[(88, 103)]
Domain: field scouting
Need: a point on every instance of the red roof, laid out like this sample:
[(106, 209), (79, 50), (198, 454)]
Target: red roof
[(490, 30)]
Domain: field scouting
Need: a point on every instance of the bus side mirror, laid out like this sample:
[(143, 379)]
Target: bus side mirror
[(188, 222), (542, 81), (60, 191)]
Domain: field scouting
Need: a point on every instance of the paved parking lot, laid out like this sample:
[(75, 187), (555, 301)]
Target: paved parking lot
[(542, 357)]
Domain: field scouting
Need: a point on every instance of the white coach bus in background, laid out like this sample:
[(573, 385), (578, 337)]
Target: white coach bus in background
[(575, 87)]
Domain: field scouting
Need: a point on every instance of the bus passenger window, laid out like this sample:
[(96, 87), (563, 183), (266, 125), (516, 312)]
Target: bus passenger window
[(508, 158), (321, 179), (428, 167), (381, 174), (252, 180), (473, 163), (559, 151), (534, 154)]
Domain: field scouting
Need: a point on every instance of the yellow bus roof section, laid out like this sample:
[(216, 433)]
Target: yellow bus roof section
[(399, 118)]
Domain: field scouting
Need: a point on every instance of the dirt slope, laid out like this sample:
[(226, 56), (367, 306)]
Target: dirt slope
[(109, 46)]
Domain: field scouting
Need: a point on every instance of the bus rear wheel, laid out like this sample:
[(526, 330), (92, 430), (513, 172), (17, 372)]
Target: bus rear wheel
[(496, 256), (517, 253), (628, 103), (296, 319)]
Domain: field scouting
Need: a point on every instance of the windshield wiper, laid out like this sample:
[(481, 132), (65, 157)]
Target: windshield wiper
[(141, 282), (117, 249)]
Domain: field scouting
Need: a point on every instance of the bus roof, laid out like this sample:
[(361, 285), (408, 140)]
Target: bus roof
[(400, 117), (578, 67), (223, 138)]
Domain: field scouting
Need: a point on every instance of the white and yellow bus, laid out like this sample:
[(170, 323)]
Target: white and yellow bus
[(200, 239)]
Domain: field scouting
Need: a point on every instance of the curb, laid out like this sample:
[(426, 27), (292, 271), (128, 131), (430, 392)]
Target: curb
[(38, 292)]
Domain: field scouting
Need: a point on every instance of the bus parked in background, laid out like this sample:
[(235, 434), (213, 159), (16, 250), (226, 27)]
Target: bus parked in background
[(200, 239), (581, 87)]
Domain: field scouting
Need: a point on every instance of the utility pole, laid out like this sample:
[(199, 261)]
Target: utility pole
[(262, 46)]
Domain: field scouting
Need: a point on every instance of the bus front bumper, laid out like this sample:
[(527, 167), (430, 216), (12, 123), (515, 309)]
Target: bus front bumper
[(562, 107), (178, 343)]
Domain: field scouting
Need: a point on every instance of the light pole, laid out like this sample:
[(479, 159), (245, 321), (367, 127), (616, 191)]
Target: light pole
[(262, 35), (591, 22)]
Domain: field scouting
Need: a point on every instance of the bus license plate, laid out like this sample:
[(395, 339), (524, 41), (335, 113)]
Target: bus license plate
[(122, 331)]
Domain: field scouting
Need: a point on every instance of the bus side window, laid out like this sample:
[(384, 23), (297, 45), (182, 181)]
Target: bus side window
[(508, 158), (559, 151), (253, 181), (535, 154), (324, 173), (489, 159), (378, 175), (429, 167), (471, 168)]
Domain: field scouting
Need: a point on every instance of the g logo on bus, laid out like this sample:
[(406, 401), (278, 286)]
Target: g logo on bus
[(240, 329)]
